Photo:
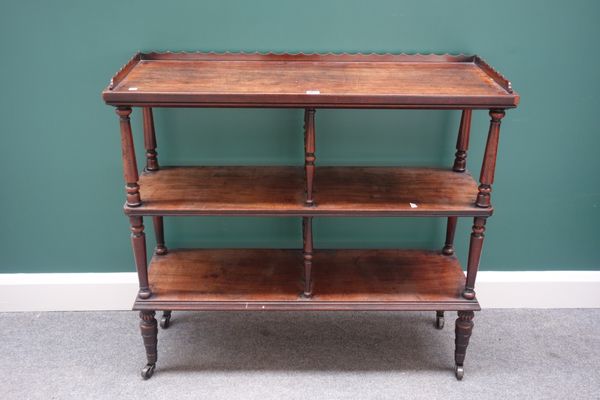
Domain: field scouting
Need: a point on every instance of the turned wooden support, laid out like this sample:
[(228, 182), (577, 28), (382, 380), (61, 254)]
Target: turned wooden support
[(463, 329), (150, 140), (159, 232), (148, 327), (475, 246), (307, 252), (460, 165), (152, 165), (462, 143), (448, 249), (130, 171), (138, 242), (309, 153), (489, 160)]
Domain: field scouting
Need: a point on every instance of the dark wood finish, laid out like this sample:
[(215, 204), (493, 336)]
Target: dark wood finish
[(475, 247), (150, 140), (125, 69), (450, 231), (495, 75), (152, 166), (264, 279), (255, 279), (149, 330), (223, 191), (130, 171), (462, 142), (159, 231), (307, 253), (489, 160), (359, 191), (463, 329), (138, 243), (460, 165), (309, 80), (309, 154)]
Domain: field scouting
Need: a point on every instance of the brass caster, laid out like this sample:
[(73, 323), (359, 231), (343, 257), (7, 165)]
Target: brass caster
[(147, 371), (439, 322), (144, 294), (439, 319), (459, 371), (165, 321), (468, 294), (448, 250)]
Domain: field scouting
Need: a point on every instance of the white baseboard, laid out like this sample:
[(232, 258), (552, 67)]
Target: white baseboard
[(116, 291), (67, 292), (538, 289)]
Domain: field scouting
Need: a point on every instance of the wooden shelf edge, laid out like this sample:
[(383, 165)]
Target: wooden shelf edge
[(306, 101), (305, 305), (485, 212)]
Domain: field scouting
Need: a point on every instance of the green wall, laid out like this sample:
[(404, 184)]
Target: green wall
[(62, 189)]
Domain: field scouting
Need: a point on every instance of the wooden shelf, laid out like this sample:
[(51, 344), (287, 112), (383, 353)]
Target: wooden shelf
[(265, 279), (358, 191), (307, 279), (310, 80)]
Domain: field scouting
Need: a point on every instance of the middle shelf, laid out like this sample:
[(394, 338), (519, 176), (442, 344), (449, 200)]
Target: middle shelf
[(279, 190)]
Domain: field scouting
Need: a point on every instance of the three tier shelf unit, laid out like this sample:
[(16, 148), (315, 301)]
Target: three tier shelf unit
[(309, 278)]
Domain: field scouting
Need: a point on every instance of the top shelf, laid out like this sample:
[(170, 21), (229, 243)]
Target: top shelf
[(309, 80)]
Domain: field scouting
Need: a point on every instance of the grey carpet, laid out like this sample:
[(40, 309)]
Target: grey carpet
[(534, 354)]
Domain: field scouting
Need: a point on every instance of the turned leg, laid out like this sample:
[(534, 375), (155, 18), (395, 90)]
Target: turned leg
[(460, 165), (150, 140), (448, 249), (130, 171), (462, 143), (159, 232), (308, 255), (475, 247), (165, 321), (488, 166), (483, 200), (151, 166), (149, 336), (309, 153), (439, 320), (138, 243), (463, 330)]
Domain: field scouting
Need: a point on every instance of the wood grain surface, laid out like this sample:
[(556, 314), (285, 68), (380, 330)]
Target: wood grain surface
[(361, 81), (280, 191), (197, 279)]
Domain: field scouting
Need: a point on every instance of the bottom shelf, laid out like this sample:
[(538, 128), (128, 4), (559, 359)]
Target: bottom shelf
[(269, 279)]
